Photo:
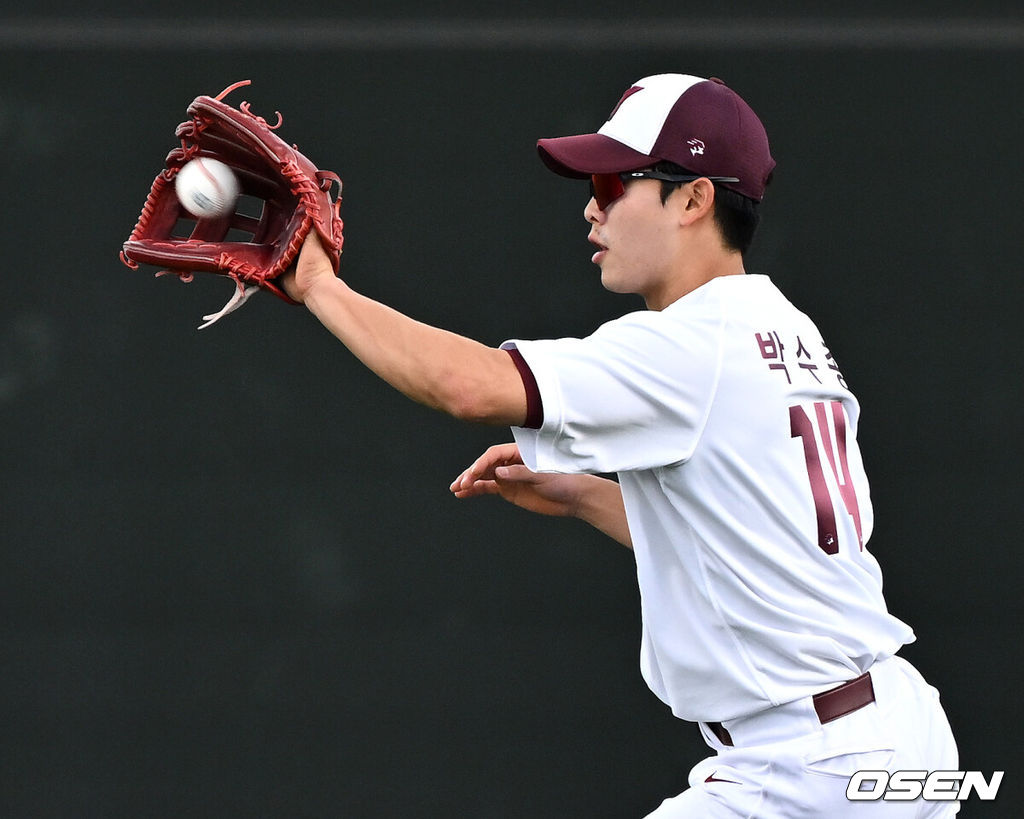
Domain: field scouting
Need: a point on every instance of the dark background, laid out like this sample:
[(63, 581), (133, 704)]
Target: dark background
[(233, 581)]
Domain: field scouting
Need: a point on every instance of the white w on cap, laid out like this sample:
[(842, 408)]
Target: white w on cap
[(639, 117)]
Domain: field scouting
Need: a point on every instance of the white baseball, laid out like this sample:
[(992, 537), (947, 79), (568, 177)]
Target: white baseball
[(206, 188)]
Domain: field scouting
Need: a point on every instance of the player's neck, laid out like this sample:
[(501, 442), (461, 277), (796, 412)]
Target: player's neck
[(692, 272)]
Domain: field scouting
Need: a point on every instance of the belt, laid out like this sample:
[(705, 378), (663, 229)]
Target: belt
[(828, 705)]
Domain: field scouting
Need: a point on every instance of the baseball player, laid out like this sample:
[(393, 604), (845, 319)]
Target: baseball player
[(733, 435)]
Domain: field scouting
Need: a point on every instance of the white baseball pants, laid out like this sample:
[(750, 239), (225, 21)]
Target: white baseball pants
[(785, 764)]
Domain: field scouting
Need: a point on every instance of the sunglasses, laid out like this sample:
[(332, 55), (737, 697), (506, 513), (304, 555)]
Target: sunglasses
[(605, 188)]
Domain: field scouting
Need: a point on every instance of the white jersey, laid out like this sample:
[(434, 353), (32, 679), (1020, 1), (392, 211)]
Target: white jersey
[(733, 435)]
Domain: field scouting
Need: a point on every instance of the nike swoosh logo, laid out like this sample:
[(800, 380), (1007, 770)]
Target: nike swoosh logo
[(714, 778)]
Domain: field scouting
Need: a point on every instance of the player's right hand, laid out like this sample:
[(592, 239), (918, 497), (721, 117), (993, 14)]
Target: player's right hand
[(500, 471)]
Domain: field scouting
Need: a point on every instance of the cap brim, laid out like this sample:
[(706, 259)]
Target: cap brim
[(577, 157)]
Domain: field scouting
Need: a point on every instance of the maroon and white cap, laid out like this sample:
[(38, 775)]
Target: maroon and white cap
[(700, 124)]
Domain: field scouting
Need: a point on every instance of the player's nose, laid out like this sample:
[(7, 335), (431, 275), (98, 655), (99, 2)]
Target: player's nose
[(592, 213)]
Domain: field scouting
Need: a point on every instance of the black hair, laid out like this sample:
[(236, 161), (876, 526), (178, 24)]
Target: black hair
[(736, 215)]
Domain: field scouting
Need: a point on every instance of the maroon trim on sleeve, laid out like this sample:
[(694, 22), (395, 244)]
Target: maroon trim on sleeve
[(534, 406)]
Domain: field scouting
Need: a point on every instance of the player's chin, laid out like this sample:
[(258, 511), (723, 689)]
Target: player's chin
[(612, 281)]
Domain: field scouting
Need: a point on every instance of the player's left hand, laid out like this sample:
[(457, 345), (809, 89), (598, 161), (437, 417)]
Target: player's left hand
[(314, 264), (295, 199)]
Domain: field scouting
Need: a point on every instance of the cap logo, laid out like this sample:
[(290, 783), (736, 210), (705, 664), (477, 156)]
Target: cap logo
[(625, 97), (696, 147)]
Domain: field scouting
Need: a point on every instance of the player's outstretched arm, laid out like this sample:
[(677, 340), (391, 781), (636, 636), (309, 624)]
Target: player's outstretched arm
[(443, 370), (593, 499)]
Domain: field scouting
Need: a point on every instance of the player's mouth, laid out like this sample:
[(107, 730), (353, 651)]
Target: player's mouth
[(601, 249)]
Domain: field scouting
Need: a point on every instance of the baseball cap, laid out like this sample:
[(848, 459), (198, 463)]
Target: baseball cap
[(700, 124)]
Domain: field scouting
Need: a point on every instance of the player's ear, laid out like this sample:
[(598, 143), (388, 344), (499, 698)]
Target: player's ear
[(694, 200)]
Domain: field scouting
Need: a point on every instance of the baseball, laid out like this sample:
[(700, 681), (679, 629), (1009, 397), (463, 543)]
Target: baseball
[(206, 188)]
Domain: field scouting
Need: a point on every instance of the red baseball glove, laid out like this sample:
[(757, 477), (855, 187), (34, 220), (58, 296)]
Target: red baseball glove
[(291, 193)]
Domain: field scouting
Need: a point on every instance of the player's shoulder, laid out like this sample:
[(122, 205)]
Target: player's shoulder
[(756, 288), (750, 298), (726, 293), (720, 302), (701, 320)]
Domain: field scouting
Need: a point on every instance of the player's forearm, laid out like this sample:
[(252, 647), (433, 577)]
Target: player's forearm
[(443, 370), (600, 505)]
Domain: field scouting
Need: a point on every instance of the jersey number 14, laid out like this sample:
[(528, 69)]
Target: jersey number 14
[(825, 430)]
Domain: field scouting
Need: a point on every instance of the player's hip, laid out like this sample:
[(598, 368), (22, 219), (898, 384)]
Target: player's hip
[(797, 760), (891, 705)]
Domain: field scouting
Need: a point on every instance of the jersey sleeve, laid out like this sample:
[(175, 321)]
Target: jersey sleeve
[(634, 395)]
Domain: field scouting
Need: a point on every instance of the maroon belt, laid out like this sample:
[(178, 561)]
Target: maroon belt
[(828, 705)]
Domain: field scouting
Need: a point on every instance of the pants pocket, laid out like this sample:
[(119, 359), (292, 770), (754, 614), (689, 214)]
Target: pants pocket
[(845, 763)]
